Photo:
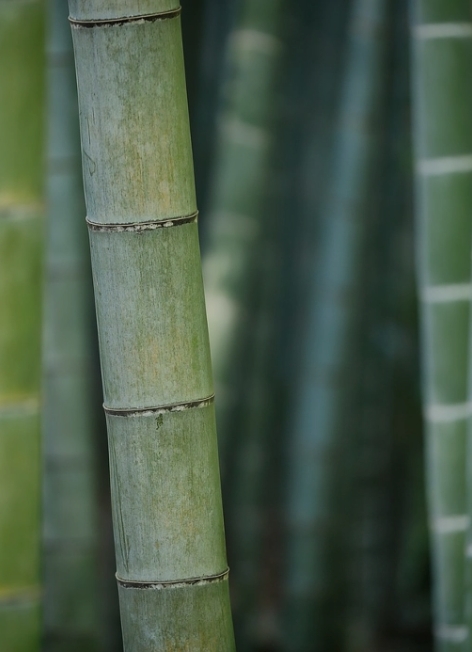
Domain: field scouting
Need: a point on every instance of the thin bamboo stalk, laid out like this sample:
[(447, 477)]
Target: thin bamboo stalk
[(218, 19), (442, 67), (376, 515), (317, 471), (236, 218), (139, 190), (71, 613), (21, 211)]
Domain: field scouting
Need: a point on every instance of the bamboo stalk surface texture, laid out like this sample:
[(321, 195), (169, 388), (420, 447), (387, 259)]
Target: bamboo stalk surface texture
[(71, 616), (140, 197), (442, 40), (21, 210)]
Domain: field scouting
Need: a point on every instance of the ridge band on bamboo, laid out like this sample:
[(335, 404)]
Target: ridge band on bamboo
[(143, 226), (163, 409), (158, 586), (163, 15)]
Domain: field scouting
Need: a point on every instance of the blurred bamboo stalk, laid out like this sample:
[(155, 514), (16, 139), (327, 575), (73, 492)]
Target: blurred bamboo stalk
[(209, 70), (140, 195), (376, 519), (237, 217), (442, 92), (21, 225), (71, 606), (318, 473)]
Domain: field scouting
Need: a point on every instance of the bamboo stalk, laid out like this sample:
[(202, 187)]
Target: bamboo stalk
[(236, 218), (71, 612), (442, 47), (21, 210), (218, 18), (253, 491), (318, 472), (139, 190)]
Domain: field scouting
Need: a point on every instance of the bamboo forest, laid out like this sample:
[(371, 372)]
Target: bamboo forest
[(235, 334)]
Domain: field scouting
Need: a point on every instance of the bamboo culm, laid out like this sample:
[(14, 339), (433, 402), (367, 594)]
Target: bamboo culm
[(141, 210), (21, 224), (442, 67), (71, 612), (236, 219), (313, 597)]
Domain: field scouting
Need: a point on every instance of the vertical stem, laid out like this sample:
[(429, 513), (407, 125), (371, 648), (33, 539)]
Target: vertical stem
[(237, 220), (442, 48), (70, 518), (21, 210), (320, 425), (140, 196)]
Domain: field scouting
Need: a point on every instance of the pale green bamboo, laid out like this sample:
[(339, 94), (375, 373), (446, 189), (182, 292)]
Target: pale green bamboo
[(442, 67), (71, 616), (21, 210), (236, 219), (140, 196)]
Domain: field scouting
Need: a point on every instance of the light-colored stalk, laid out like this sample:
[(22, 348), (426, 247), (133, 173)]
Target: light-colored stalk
[(236, 218), (442, 93), (21, 211), (71, 616), (141, 210), (319, 431)]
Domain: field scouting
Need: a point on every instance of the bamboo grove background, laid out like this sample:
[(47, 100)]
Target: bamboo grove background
[(332, 154)]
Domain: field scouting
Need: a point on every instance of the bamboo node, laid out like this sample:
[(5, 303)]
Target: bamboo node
[(173, 584), (116, 22), (137, 227), (162, 409)]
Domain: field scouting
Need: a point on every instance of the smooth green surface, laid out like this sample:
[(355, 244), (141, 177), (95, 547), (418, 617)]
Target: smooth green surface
[(19, 502), (19, 627), (441, 11), (21, 115), (167, 523), (136, 148), (443, 98), (446, 339), (445, 244), (21, 138), (154, 349), (20, 279), (153, 336), (194, 619)]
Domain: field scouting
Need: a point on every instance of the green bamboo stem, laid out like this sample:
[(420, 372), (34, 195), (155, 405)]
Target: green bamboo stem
[(376, 515), (218, 18), (139, 190), (442, 47), (318, 471), (236, 216), (71, 616), (21, 211)]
